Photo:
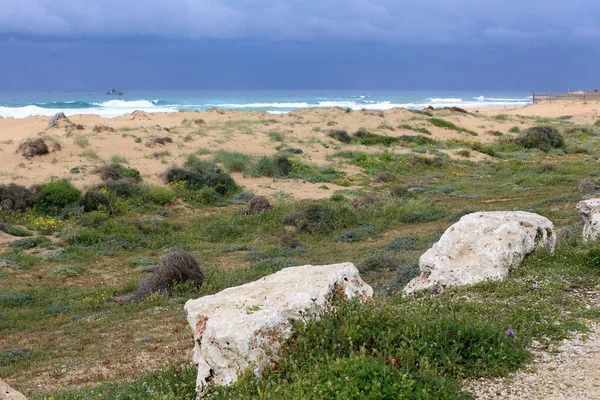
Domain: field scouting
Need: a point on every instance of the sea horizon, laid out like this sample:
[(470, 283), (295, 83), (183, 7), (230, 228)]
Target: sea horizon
[(46, 103)]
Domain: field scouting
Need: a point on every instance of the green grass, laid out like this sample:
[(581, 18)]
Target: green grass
[(420, 130), (420, 347), (442, 123), (276, 136), (118, 159), (90, 154), (15, 230), (81, 141), (232, 161)]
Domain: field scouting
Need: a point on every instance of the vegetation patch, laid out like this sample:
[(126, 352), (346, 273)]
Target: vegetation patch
[(543, 138), (197, 174), (233, 161), (442, 123)]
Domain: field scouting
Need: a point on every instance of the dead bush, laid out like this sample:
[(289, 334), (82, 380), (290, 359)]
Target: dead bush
[(32, 148), (589, 185), (175, 267), (103, 128), (289, 241), (15, 197), (367, 199), (162, 140), (160, 154), (258, 204), (398, 191), (384, 177)]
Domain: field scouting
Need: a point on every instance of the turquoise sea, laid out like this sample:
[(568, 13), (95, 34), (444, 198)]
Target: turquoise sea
[(25, 104)]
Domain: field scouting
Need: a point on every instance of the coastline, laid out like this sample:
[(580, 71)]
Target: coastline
[(130, 138)]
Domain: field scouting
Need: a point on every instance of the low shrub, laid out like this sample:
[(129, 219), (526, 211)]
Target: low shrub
[(197, 174), (363, 232), (514, 129), (31, 148), (115, 172), (232, 161), (15, 197), (290, 242), (241, 198), (278, 166), (589, 185), (442, 123), (127, 187), (15, 299), (378, 262), (65, 271), (367, 138), (365, 200), (29, 243), (384, 177), (173, 268), (257, 205), (403, 243), (340, 135), (405, 272), (316, 218), (543, 138), (95, 200), (15, 230), (594, 257), (58, 194), (161, 195), (421, 216), (484, 148), (398, 191)]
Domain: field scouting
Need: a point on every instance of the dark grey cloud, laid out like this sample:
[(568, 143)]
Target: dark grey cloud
[(396, 21)]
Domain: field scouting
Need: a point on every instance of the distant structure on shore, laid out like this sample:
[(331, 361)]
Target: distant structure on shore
[(577, 95), (114, 92)]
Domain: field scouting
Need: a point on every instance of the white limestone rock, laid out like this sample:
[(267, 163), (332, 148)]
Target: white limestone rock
[(244, 326), (482, 246), (8, 393), (590, 212)]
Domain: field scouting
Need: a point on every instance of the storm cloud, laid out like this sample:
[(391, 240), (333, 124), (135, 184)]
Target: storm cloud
[(462, 22)]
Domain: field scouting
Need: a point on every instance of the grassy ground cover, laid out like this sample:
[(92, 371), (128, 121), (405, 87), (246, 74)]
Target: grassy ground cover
[(60, 327)]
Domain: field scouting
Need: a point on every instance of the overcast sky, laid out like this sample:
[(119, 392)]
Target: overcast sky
[(379, 44)]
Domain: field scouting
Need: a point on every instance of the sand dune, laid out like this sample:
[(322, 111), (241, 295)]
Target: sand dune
[(131, 139)]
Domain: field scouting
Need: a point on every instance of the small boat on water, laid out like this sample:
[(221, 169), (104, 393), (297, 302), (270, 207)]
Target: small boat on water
[(114, 92)]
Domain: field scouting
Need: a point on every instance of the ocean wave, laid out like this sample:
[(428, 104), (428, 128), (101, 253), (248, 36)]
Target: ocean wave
[(445, 100), (65, 104), (483, 98), (114, 107), (126, 104), (263, 105), (107, 112)]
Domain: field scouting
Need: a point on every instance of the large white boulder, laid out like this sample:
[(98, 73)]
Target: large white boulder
[(8, 393), (590, 212), (482, 246), (244, 326)]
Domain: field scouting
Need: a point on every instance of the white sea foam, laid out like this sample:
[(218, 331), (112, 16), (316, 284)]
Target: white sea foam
[(445, 100), (114, 108), (126, 104), (28, 111), (263, 105)]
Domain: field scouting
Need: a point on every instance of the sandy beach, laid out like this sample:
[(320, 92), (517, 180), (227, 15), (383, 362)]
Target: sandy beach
[(84, 142)]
